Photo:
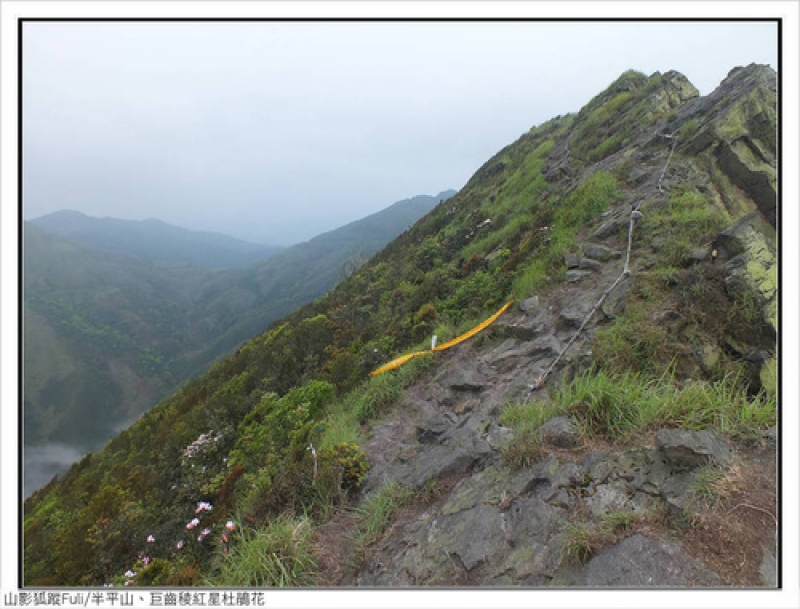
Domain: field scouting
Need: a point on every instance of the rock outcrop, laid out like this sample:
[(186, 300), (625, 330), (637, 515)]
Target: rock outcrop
[(504, 527)]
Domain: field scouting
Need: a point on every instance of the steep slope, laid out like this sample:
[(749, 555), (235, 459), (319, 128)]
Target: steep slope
[(156, 240), (107, 335), (251, 299), (287, 436), (100, 328)]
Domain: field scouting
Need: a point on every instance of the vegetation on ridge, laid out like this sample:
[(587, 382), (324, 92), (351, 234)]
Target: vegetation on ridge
[(241, 436)]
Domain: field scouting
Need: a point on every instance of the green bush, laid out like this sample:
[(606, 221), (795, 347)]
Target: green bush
[(157, 573), (350, 460)]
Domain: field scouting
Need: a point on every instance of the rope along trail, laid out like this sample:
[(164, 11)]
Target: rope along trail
[(396, 363), (635, 215)]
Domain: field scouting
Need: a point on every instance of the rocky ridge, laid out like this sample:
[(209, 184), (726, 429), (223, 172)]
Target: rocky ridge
[(492, 525)]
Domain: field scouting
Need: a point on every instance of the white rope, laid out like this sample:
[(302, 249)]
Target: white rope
[(669, 158), (635, 215)]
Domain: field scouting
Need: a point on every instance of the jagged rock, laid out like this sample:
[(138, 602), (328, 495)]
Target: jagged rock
[(751, 268), (430, 429), (572, 260), (588, 263), (626, 481), (738, 134), (576, 276), (639, 561), (707, 357), (528, 328), (443, 460), (560, 432), (614, 303), (529, 304), (484, 529), (599, 252), (675, 493), (610, 227), (692, 448), (573, 315), (463, 379), (497, 436), (542, 347)]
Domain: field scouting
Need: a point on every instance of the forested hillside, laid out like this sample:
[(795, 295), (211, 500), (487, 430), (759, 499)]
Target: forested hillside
[(156, 240), (637, 238), (107, 334)]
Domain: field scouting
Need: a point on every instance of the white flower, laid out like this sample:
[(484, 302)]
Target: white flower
[(129, 574), (229, 525), (179, 545), (150, 539)]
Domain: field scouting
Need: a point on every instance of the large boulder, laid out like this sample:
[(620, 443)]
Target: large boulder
[(639, 561), (693, 448), (560, 432)]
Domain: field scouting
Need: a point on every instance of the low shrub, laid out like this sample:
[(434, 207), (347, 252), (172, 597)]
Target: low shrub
[(350, 460)]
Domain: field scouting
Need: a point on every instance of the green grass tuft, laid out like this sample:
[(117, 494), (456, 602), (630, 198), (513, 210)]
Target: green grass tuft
[(278, 555), (618, 406)]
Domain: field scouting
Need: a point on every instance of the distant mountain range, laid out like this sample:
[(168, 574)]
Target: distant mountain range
[(108, 334), (156, 240)]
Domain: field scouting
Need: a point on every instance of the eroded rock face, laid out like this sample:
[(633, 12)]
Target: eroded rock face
[(752, 267), (639, 561), (735, 127), (510, 528), (504, 527)]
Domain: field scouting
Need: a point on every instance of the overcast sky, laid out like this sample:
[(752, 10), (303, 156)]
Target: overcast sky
[(274, 132)]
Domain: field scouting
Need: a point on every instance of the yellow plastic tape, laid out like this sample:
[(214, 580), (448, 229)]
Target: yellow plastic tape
[(402, 360), (396, 363), (474, 330)]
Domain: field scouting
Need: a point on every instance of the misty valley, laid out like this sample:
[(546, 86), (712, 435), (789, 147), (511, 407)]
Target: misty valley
[(118, 314)]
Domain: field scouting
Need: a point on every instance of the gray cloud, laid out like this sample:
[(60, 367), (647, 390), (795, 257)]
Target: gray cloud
[(275, 132)]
